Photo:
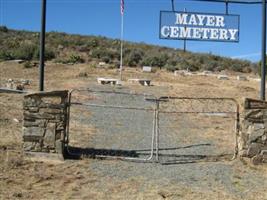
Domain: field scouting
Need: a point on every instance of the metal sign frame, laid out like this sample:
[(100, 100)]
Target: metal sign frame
[(263, 54)]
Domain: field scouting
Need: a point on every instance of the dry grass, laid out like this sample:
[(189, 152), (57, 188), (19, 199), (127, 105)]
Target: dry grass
[(20, 179)]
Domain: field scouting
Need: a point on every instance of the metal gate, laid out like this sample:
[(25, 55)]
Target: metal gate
[(122, 125), (193, 129), (139, 127)]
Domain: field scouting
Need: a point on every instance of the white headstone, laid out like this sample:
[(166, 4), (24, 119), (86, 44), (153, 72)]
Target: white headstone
[(223, 77), (102, 64), (241, 78), (206, 73), (147, 69)]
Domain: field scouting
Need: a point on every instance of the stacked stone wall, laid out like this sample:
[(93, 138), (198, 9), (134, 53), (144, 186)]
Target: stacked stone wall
[(45, 122), (252, 139)]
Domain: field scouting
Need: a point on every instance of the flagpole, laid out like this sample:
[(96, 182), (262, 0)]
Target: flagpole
[(121, 45)]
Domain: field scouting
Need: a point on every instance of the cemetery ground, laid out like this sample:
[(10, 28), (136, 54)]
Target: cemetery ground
[(203, 146)]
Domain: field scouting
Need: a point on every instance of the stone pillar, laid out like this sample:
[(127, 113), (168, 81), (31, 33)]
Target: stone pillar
[(252, 140), (45, 122)]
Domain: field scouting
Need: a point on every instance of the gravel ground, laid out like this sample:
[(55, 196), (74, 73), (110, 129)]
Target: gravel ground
[(194, 152)]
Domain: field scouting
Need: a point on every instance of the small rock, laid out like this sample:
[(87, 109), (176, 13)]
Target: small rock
[(253, 149), (18, 195), (258, 126), (83, 74), (256, 160), (254, 134), (25, 82), (16, 120), (19, 87)]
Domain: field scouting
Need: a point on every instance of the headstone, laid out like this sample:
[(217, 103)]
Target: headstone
[(102, 64), (206, 73), (241, 78), (223, 77), (147, 69)]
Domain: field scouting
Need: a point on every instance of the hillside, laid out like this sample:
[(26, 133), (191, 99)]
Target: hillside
[(70, 48)]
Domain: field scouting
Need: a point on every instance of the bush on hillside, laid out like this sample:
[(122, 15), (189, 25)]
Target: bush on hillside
[(75, 59), (171, 68), (6, 55), (25, 52), (3, 29), (49, 54), (24, 45), (155, 61), (134, 58), (29, 64)]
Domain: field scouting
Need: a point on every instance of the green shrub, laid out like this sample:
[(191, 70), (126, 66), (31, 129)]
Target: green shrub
[(171, 68), (112, 66), (6, 55), (116, 64), (3, 29), (105, 59), (25, 45), (134, 57), (93, 65), (75, 59), (49, 54), (93, 43), (156, 61), (25, 52), (28, 64), (97, 53), (83, 74)]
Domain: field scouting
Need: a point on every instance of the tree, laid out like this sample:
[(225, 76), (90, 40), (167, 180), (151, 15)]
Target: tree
[(3, 29)]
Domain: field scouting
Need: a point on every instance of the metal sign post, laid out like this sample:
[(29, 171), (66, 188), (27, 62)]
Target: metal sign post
[(173, 9), (42, 47), (263, 54), (185, 39)]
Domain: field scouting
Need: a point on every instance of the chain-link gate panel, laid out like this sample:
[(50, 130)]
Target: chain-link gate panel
[(112, 124), (197, 129)]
